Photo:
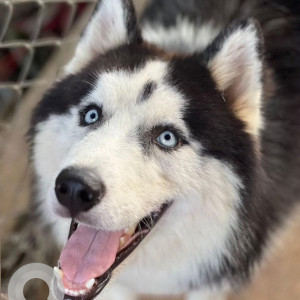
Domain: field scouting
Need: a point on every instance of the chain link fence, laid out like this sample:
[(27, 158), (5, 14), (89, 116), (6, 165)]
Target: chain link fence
[(30, 33)]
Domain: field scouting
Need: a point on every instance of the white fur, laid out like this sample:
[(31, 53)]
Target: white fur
[(206, 295), (105, 31), (118, 292), (184, 37), (51, 144), (237, 70), (193, 234)]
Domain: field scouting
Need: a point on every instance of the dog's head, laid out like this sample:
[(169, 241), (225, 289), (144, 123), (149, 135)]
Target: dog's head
[(132, 130)]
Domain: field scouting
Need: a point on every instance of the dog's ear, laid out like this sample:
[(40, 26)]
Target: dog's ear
[(113, 23), (235, 62)]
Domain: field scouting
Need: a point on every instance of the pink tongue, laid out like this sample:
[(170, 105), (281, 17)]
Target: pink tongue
[(89, 253)]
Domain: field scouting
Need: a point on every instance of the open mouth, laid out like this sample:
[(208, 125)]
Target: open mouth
[(90, 256)]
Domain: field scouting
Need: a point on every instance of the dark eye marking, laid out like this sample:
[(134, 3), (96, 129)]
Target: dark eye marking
[(147, 91)]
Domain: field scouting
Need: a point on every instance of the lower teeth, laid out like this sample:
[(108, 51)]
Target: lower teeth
[(90, 283), (59, 276)]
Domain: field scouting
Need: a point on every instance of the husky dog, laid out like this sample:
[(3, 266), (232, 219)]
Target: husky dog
[(173, 146)]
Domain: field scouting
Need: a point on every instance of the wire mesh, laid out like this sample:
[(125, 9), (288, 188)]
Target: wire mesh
[(37, 37), (31, 31)]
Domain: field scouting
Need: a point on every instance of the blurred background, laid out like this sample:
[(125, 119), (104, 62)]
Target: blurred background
[(37, 37)]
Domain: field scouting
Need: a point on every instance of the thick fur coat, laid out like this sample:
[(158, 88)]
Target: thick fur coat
[(227, 88)]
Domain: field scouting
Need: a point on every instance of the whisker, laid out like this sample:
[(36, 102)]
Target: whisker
[(91, 84), (147, 224), (152, 221), (140, 227)]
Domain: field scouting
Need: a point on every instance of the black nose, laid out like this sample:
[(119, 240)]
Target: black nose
[(78, 189)]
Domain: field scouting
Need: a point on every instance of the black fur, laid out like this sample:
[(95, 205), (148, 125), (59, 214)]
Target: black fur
[(71, 90), (167, 12), (272, 179), (222, 134), (64, 95), (147, 91), (209, 118), (133, 30)]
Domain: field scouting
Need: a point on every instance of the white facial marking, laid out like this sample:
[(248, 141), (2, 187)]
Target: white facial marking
[(128, 175), (204, 190), (184, 37), (197, 225)]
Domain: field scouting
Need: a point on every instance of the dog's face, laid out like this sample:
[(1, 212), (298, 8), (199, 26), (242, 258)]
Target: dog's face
[(131, 128)]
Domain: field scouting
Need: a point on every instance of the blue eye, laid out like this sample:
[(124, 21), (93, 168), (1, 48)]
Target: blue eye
[(91, 116), (167, 139)]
